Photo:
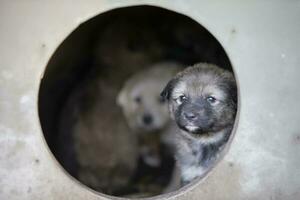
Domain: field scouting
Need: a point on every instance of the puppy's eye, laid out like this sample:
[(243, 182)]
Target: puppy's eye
[(181, 99), (138, 99), (211, 99)]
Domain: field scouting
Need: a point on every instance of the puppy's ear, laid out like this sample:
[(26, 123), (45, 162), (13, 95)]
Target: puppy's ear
[(231, 88), (121, 98), (233, 91), (165, 94)]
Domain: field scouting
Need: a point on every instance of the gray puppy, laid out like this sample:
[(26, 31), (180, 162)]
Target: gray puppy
[(202, 101)]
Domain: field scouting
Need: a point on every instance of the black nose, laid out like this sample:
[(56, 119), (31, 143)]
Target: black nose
[(147, 119), (190, 115)]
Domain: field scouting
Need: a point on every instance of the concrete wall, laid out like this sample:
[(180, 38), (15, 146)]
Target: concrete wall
[(262, 41)]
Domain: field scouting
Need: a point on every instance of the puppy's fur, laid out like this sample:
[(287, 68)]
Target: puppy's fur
[(104, 146), (144, 109), (140, 99), (202, 101), (147, 114)]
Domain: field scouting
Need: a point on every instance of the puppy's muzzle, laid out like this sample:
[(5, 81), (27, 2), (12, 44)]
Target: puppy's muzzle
[(191, 113), (194, 118), (147, 119), (190, 116)]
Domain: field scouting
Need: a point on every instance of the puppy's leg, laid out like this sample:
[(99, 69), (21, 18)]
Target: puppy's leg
[(190, 173)]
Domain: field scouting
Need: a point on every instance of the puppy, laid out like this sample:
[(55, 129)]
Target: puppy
[(94, 134), (145, 111), (147, 115), (203, 102)]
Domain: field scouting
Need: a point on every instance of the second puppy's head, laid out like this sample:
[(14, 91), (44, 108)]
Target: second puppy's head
[(202, 99), (140, 100)]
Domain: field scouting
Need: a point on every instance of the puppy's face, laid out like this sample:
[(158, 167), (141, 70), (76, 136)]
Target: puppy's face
[(202, 99), (143, 107)]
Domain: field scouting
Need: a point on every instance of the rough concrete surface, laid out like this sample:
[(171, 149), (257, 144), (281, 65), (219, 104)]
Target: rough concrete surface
[(262, 41)]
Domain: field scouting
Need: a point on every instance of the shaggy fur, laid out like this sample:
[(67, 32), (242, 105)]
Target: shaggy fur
[(147, 114), (202, 101), (145, 111)]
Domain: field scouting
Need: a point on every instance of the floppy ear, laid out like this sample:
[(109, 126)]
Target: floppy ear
[(121, 98), (165, 94), (233, 91), (229, 84)]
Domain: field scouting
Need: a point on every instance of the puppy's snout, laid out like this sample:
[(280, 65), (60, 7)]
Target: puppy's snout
[(147, 119), (191, 116)]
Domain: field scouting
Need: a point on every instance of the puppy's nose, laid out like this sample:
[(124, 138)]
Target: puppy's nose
[(190, 115), (147, 119)]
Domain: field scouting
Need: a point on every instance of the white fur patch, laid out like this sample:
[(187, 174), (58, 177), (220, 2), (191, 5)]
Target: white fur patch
[(191, 128), (213, 139), (189, 173)]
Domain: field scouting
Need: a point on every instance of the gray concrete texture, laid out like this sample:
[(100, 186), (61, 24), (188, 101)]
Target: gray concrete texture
[(262, 41)]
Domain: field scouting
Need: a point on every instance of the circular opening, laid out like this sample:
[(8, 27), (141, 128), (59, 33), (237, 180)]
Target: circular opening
[(95, 132)]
